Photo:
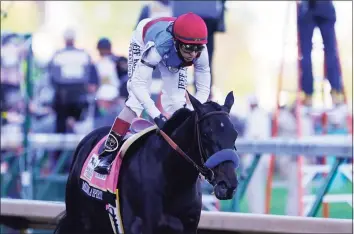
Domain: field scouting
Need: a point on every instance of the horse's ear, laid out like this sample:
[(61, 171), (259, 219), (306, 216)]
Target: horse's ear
[(229, 101), (195, 103)]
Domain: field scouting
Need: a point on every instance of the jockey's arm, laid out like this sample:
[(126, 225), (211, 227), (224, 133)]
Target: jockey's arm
[(202, 76), (141, 78)]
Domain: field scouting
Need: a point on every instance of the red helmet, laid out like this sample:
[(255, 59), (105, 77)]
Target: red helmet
[(190, 29)]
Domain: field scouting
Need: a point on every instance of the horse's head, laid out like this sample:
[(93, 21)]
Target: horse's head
[(216, 138)]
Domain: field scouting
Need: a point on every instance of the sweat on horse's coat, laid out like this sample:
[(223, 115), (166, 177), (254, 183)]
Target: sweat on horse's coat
[(222, 156)]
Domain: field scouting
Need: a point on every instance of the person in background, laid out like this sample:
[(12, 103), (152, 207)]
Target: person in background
[(321, 14), (108, 109), (288, 164), (257, 127), (107, 101), (118, 78), (107, 65), (155, 9), (11, 71), (212, 12), (122, 68), (73, 77)]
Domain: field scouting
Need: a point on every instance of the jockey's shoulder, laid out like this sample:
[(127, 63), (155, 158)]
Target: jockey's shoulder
[(165, 47), (163, 39)]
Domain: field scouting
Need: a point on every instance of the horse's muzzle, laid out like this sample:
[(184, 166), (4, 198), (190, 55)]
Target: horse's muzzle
[(222, 192)]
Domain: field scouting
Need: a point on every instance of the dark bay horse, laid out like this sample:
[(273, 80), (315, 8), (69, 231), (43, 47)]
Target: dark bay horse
[(159, 185)]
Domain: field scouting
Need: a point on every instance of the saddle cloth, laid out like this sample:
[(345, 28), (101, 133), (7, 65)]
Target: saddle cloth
[(104, 187), (108, 183)]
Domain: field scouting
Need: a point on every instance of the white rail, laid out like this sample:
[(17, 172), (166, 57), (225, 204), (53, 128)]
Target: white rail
[(42, 214), (308, 146)]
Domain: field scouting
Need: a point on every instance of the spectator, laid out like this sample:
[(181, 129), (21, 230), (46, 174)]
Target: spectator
[(73, 77), (257, 127), (106, 66), (312, 13), (11, 70), (109, 109), (172, 44), (155, 9), (117, 76), (122, 68), (107, 102)]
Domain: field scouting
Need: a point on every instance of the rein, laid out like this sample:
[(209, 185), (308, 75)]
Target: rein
[(205, 171)]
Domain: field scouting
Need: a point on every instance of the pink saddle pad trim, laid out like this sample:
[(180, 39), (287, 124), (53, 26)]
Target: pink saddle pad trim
[(103, 182)]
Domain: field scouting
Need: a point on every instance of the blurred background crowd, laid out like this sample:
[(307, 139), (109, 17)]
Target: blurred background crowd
[(253, 50)]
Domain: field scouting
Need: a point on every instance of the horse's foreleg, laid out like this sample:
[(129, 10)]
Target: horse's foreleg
[(170, 224), (152, 213)]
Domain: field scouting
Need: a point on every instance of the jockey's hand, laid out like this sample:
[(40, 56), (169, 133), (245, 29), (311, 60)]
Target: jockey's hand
[(160, 121)]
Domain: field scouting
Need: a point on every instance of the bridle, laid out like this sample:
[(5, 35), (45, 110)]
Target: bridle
[(205, 171)]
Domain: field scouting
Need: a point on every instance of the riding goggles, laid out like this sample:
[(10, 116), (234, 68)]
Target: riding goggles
[(192, 48)]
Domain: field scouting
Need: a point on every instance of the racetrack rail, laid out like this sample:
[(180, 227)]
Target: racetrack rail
[(23, 214)]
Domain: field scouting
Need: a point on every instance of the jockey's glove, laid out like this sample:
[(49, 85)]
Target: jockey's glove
[(160, 121)]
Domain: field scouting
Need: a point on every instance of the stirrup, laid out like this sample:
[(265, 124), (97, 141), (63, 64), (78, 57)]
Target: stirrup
[(104, 169)]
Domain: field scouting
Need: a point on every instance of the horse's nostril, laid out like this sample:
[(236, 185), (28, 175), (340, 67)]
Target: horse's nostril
[(222, 184)]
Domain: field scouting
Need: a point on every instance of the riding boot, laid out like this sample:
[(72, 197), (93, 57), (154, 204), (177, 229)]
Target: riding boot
[(111, 146), (106, 157)]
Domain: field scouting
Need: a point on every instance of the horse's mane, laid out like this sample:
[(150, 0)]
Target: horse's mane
[(176, 120)]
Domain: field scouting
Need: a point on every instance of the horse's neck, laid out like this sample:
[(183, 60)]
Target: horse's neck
[(180, 169), (186, 139)]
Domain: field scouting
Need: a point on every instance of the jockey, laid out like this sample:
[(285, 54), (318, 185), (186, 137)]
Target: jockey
[(171, 45)]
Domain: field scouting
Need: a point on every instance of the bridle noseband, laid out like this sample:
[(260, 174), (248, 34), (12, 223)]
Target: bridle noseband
[(205, 171)]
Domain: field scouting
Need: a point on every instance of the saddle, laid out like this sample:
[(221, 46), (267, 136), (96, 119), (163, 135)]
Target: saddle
[(138, 128)]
